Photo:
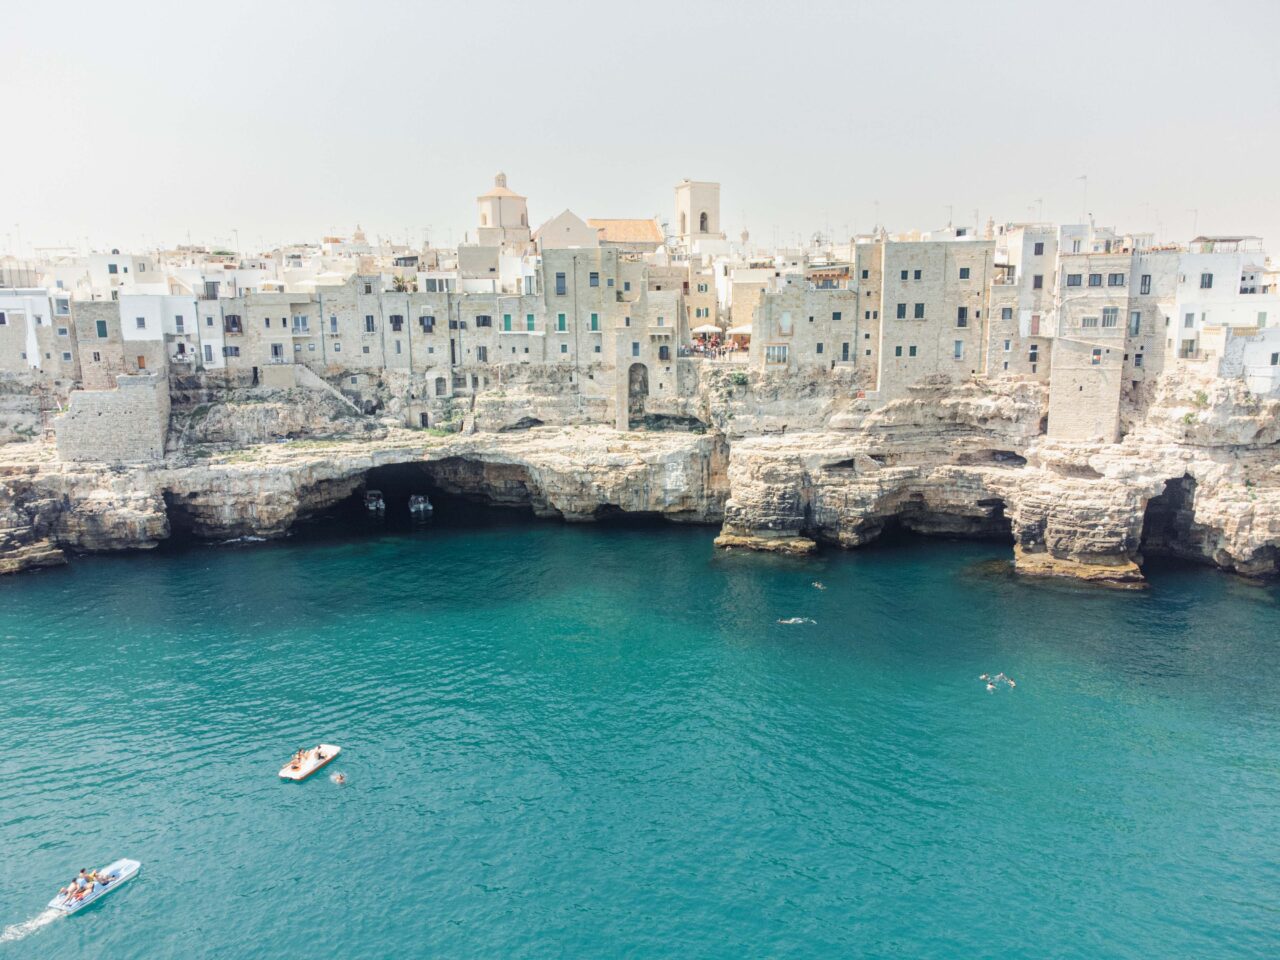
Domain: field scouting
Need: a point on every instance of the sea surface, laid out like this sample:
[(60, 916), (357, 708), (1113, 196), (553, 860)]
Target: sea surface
[(598, 741)]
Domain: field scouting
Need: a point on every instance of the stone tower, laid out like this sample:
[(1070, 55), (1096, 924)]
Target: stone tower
[(504, 216), (697, 212)]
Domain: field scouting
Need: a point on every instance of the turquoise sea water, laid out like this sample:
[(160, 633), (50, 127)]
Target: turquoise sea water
[(598, 742)]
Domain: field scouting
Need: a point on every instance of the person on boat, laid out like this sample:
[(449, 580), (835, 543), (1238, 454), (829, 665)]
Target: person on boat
[(298, 759), (319, 754)]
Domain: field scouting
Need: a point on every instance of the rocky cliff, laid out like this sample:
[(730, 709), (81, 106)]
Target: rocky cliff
[(49, 509), (783, 466)]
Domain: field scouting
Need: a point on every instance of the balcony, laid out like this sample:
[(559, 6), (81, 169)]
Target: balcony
[(1004, 280)]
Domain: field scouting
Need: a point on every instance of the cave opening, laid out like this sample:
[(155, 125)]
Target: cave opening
[(182, 521), (916, 518), (1168, 522)]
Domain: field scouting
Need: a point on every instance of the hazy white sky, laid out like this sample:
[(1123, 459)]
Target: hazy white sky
[(132, 123)]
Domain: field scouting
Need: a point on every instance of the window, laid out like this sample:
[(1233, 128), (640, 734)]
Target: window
[(919, 311), (333, 323), (62, 331), (66, 356), (1110, 315), (208, 354), (1037, 282), (560, 323), (528, 321), (664, 352), (427, 323), (1006, 313), (1073, 279), (964, 273), (916, 275), (905, 274), (957, 349), (1095, 358), (368, 288), (177, 322), (397, 323), (266, 322), (62, 307), (595, 322), (482, 354), (1033, 354), (626, 285), (597, 348), (1206, 281), (560, 288), (775, 353), (865, 273), (911, 351), (897, 351), (902, 311), (1115, 279), (506, 322), (231, 324), (102, 329), (364, 349), (231, 351), (635, 348), (1275, 359), (277, 352), (1088, 321), (1008, 345), (1189, 320), (1095, 279), (484, 320), (962, 316), (835, 317), (368, 323), (1137, 359), (337, 348), (819, 348), (1038, 249), (112, 268), (142, 323), (1262, 318), (593, 279), (1144, 285)]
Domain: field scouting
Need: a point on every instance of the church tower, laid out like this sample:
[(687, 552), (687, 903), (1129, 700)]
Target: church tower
[(504, 216), (697, 212)]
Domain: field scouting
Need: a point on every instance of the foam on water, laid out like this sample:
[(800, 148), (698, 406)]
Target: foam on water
[(20, 931)]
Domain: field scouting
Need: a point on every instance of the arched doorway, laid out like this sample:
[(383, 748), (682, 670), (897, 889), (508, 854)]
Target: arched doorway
[(637, 391), (702, 222)]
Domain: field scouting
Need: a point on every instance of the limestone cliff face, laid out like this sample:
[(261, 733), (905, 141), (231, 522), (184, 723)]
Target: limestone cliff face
[(48, 509), (794, 465), (1201, 481)]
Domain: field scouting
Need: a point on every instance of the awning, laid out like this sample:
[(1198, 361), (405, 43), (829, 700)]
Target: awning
[(707, 328), (742, 331)]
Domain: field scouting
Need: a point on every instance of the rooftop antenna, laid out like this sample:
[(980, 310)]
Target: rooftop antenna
[(1084, 199), (950, 212)]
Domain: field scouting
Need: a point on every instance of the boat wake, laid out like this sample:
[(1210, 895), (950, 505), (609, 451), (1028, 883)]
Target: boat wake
[(20, 931)]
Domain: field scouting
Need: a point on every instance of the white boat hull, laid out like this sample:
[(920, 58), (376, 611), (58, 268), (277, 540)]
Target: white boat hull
[(121, 870), (315, 759)]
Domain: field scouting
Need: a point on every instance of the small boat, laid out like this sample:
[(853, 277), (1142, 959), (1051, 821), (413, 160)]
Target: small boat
[(420, 506), (373, 501), (311, 761), (116, 874)]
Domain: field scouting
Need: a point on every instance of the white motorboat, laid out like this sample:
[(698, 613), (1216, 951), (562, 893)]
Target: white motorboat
[(307, 762), (108, 879)]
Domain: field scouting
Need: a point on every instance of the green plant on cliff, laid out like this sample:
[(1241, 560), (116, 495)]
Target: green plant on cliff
[(1202, 399), (738, 378), (1189, 419)]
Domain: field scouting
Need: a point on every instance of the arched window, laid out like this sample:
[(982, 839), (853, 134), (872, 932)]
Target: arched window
[(702, 222), (440, 386), (664, 352), (684, 224)]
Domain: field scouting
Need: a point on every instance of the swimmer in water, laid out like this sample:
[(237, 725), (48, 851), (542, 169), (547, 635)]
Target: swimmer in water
[(339, 778), (985, 676), (991, 688), (819, 585)]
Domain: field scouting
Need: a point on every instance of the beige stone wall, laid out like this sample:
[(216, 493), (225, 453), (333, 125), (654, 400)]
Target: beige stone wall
[(125, 425), (1084, 390)]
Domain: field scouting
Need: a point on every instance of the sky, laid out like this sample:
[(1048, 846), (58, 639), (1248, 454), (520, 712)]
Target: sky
[(131, 125)]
